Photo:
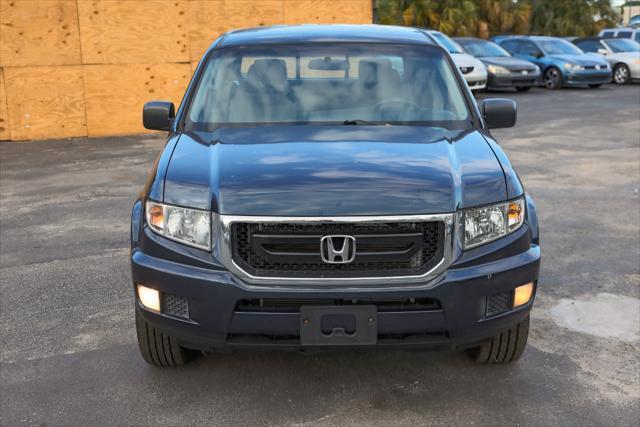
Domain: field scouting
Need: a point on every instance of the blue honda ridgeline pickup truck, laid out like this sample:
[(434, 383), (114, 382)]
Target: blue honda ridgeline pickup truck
[(331, 186)]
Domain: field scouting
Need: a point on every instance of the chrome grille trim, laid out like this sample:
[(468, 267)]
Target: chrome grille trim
[(226, 251)]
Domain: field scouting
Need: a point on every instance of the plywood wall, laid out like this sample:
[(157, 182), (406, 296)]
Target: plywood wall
[(126, 87), (45, 102), (85, 67), (39, 32), (4, 113)]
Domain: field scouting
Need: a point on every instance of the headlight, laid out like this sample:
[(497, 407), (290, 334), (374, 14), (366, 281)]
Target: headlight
[(482, 225), (495, 69), (189, 226), (573, 67)]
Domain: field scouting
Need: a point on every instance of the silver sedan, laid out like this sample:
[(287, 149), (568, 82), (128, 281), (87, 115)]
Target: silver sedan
[(622, 54)]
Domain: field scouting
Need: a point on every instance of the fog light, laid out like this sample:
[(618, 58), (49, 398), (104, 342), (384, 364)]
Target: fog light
[(150, 298), (522, 294)]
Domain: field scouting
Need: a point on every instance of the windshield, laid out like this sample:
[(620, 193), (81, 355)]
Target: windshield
[(447, 43), (623, 45), (558, 47), (342, 83), (481, 48)]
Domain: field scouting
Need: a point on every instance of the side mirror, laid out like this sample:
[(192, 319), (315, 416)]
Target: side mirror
[(602, 51), (539, 55), (499, 112), (157, 115)]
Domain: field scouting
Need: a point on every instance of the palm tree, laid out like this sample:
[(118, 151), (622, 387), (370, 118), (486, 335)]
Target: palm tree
[(458, 18), (571, 17), (455, 17), (487, 17), (504, 16)]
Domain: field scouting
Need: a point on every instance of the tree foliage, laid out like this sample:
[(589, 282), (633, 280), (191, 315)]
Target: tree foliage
[(484, 18)]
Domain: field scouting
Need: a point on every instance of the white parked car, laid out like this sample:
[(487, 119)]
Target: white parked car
[(473, 70), (620, 33), (622, 54)]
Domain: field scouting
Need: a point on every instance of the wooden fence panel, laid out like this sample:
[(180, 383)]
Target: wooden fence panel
[(126, 32), (85, 67), (5, 133), (45, 102), (328, 11), (116, 93), (210, 18), (43, 32)]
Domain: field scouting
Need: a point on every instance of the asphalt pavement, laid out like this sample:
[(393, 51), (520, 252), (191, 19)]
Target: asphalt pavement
[(68, 347)]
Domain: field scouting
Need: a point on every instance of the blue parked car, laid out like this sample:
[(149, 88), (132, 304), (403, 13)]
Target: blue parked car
[(561, 62)]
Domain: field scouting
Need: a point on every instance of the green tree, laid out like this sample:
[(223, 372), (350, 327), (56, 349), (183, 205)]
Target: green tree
[(571, 17), (484, 18), (455, 17), (503, 17)]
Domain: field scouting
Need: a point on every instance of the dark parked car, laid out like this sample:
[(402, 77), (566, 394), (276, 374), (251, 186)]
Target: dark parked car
[(504, 71), (329, 186), (561, 62)]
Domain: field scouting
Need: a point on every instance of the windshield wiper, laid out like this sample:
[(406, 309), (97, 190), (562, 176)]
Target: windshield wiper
[(357, 122)]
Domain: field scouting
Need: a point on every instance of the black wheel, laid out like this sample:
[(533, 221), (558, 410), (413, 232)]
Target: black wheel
[(621, 74), (158, 348), (523, 88), (505, 347), (594, 86), (553, 78)]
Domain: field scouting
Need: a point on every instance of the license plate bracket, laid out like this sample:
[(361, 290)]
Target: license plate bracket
[(338, 325)]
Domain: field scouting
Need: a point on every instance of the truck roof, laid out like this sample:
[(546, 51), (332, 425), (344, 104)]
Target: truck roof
[(294, 34)]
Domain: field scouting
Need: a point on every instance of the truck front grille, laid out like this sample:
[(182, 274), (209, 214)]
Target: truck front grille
[(293, 250)]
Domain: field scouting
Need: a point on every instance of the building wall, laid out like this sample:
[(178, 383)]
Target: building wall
[(85, 67), (629, 12)]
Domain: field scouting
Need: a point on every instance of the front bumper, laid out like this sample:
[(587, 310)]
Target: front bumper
[(477, 79), (513, 80), (634, 70), (587, 77), (216, 320)]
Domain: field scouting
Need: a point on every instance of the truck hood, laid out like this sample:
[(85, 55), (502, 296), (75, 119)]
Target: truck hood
[(333, 171)]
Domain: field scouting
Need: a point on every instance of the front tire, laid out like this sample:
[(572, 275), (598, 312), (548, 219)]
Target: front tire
[(157, 348), (553, 78), (505, 347), (621, 74)]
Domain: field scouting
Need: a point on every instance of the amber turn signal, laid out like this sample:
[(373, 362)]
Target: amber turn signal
[(514, 215), (155, 215), (522, 294)]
